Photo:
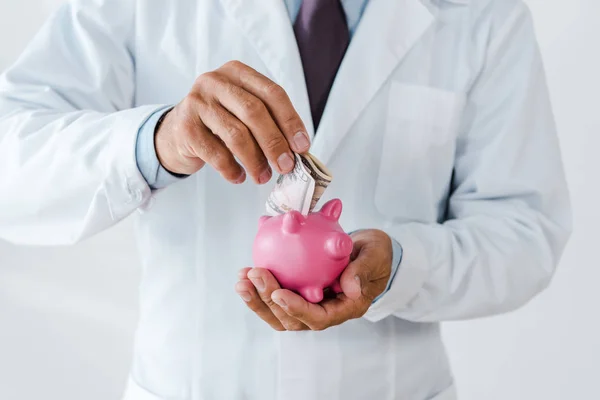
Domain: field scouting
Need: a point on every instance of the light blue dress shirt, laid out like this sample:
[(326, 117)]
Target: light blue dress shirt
[(157, 177)]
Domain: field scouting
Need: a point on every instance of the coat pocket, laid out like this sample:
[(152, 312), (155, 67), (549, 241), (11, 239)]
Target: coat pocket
[(417, 149)]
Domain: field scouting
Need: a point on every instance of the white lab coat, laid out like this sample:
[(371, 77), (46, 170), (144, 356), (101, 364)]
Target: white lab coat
[(438, 130)]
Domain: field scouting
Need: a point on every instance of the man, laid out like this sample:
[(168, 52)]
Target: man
[(433, 116)]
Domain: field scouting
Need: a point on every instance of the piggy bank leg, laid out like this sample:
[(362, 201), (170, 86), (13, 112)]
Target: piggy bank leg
[(312, 294), (336, 287)]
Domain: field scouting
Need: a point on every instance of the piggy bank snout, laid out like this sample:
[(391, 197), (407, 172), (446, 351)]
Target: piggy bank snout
[(338, 246)]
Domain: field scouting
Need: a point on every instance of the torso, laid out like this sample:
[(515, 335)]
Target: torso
[(196, 338)]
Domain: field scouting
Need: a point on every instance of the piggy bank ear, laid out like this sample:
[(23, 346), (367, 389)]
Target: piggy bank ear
[(262, 220), (292, 221), (332, 209)]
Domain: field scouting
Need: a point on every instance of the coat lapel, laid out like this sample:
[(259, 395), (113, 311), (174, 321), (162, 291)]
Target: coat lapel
[(387, 31), (267, 26), (385, 34)]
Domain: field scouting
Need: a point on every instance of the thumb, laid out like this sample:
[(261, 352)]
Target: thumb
[(354, 277)]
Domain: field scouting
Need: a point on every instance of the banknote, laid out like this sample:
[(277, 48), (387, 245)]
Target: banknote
[(300, 189)]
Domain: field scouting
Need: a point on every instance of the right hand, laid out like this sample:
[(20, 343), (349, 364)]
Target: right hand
[(231, 112)]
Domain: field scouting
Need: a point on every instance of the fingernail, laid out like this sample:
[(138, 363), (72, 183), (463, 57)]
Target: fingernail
[(285, 162), (357, 279), (301, 141), (265, 176), (245, 296), (279, 301), (259, 283), (242, 177)]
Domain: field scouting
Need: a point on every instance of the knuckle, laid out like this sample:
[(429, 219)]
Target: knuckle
[(293, 123), (214, 115), (274, 90), (269, 302), (233, 64), (274, 143), (237, 134), (297, 314), (232, 90), (253, 304), (193, 99), (253, 108), (208, 78), (220, 161)]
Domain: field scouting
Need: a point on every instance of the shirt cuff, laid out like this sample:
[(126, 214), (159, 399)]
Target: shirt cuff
[(153, 172), (396, 260)]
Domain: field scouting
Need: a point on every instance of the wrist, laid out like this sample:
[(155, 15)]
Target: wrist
[(146, 158), (161, 133), (165, 167)]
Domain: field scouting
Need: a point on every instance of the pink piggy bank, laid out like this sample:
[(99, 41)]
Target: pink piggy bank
[(305, 254)]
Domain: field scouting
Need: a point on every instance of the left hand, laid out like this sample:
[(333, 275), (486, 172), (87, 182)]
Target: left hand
[(363, 280)]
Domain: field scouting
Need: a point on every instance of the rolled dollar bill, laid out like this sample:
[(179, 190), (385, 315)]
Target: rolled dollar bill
[(300, 189), (321, 175)]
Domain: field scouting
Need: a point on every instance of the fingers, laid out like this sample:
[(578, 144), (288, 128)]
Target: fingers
[(233, 112), (247, 292), (243, 273), (362, 280), (283, 309), (265, 285), (318, 316), (225, 88), (239, 140), (276, 100), (211, 150), (256, 117)]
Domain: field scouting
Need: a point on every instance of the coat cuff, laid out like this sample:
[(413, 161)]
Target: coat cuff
[(125, 187), (409, 278)]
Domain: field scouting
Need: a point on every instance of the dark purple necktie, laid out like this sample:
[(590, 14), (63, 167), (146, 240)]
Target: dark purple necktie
[(322, 35)]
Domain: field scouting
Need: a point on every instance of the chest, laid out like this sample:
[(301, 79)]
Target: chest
[(391, 122)]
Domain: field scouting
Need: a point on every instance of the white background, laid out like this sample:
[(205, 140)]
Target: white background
[(67, 315)]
